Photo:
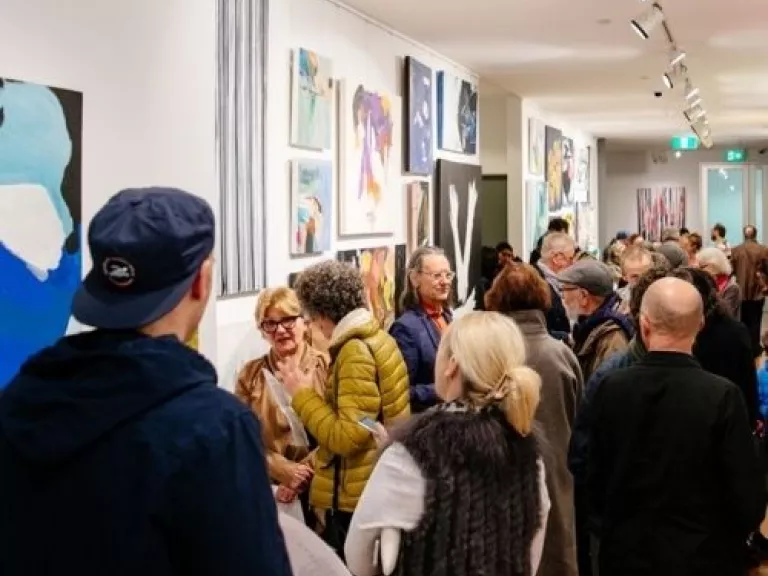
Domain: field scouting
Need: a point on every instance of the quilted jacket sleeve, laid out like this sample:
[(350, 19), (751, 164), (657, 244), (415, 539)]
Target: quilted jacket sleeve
[(354, 373), (393, 375)]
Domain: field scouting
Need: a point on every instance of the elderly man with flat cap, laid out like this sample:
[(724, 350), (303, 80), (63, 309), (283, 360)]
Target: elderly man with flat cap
[(600, 330)]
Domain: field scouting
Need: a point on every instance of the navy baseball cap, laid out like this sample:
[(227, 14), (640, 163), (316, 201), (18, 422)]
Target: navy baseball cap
[(147, 247)]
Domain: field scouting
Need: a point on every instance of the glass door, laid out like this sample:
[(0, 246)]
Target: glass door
[(725, 199)]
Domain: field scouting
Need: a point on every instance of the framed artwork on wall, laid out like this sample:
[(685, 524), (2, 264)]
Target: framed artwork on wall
[(311, 201), (658, 208), (457, 227), (383, 272), (311, 100), (370, 160), (419, 216), (535, 147), (568, 169), (536, 210), (553, 167), (41, 236), (580, 185), (456, 114), (418, 114)]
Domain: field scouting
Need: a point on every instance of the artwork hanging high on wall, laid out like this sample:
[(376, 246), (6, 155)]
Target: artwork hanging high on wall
[(371, 161), (580, 184), (456, 114), (457, 227), (658, 208), (586, 227), (568, 169), (379, 269), (311, 100), (536, 210), (535, 147), (419, 217), (311, 195), (553, 167), (40, 217), (418, 102)]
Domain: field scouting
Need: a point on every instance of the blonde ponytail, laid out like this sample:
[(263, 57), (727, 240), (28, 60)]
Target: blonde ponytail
[(522, 398)]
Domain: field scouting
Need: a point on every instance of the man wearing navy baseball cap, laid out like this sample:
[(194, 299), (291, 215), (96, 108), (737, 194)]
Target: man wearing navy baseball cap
[(118, 453)]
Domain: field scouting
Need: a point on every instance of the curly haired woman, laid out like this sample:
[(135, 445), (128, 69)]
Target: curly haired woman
[(462, 487), (368, 380)]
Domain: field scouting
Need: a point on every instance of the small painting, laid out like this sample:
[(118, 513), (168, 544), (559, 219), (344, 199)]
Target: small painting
[(580, 186), (418, 218), (537, 213), (457, 228), (40, 217), (418, 101), (568, 169), (371, 160), (658, 208), (456, 114), (553, 167), (311, 207), (535, 147), (312, 100), (379, 269)]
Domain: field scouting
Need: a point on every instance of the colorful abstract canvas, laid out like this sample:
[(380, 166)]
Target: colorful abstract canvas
[(40, 217), (659, 208), (370, 160), (311, 195), (312, 100), (537, 213), (379, 269), (553, 167), (419, 217), (456, 114), (418, 102), (535, 147), (457, 227)]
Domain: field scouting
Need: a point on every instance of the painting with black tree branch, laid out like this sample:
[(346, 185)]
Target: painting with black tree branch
[(457, 228)]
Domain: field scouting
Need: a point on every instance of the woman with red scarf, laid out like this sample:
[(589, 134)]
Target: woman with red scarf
[(715, 263)]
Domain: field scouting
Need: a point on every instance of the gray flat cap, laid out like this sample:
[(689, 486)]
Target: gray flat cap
[(591, 275), (676, 255)]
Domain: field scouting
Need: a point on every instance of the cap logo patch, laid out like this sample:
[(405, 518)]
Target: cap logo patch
[(118, 271)]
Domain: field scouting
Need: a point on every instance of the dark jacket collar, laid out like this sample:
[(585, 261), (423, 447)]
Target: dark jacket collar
[(607, 312), (531, 322), (670, 360)]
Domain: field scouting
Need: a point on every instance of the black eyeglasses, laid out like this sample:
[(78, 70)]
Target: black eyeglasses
[(271, 326)]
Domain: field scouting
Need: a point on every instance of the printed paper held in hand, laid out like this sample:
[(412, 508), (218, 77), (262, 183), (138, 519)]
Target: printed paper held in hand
[(283, 401)]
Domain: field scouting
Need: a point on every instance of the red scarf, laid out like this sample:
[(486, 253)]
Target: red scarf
[(721, 281), (436, 315)]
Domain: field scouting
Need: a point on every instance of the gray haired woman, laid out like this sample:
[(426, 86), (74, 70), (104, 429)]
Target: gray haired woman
[(715, 263), (426, 315)]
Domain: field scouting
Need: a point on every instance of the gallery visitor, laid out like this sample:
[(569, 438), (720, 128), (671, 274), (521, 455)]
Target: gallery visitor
[(715, 263), (557, 253), (288, 447), (119, 454), (462, 486), (367, 388), (426, 315)]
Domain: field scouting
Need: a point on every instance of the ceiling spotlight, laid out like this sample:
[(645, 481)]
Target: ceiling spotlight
[(676, 57), (672, 75), (667, 79), (690, 91), (647, 21), (696, 102)]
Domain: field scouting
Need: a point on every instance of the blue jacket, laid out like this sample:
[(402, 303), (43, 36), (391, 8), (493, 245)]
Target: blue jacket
[(762, 390), (120, 456), (418, 337)]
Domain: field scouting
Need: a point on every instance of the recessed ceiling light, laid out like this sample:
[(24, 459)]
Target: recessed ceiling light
[(604, 21)]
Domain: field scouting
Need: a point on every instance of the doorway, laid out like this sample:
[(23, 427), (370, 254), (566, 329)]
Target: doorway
[(494, 209), (732, 195)]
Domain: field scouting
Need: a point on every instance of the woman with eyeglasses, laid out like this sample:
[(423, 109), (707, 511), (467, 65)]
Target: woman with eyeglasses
[(426, 315), (287, 445)]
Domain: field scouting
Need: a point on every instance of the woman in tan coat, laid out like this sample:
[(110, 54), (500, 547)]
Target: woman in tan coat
[(520, 293), (287, 445)]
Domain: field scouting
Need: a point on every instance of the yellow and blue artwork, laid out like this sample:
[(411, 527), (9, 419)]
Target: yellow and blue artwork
[(40, 217), (312, 101)]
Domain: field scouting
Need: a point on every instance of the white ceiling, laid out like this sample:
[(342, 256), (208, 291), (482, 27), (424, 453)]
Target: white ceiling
[(579, 59)]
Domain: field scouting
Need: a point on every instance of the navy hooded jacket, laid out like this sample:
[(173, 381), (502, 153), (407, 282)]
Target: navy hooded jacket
[(120, 456)]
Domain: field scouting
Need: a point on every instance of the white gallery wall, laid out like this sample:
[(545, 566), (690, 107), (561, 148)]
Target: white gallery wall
[(530, 109), (626, 170), (146, 69), (361, 51)]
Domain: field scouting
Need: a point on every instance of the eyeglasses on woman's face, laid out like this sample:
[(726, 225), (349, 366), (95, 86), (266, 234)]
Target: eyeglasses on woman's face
[(439, 276), (288, 323)]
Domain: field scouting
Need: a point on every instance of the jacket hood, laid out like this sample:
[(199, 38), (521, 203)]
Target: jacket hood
[(70, 395), (359, 323)]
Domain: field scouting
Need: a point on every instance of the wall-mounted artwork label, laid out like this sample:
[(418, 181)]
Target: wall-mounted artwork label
[(40, 217), (370, 160), (684, 143), (418, 102), (312, 100), (311, 195), (456, 114), (735, 155)]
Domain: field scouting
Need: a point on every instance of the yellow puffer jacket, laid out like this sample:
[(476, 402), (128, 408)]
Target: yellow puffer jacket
[(369, 378)]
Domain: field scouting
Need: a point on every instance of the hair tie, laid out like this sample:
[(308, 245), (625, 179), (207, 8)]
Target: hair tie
[(504, 386)]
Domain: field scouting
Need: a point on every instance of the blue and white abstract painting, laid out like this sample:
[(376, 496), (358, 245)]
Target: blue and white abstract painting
[(456, 114), (40, 217), (419, 154)]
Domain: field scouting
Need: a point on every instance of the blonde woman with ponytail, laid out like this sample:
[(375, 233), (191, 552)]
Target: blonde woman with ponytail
[(461, 488)]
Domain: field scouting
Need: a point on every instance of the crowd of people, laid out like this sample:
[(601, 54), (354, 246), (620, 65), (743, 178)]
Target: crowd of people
[(594, 417)]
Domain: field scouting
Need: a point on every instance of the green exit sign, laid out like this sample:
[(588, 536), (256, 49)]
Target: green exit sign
[(684, 143), (735, 155)]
